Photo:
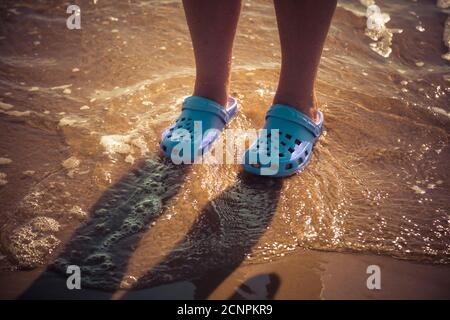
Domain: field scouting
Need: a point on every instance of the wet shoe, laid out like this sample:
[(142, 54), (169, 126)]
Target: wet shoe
[(285, 146), (199, 125)]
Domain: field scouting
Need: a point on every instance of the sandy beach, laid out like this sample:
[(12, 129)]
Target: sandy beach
[(82, 180), (303, 275)]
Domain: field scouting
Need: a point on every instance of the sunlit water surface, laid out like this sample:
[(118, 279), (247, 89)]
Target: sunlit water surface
[(82, 112)]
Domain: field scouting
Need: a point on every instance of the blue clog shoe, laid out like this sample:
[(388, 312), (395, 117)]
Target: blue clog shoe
[(199, 125), (286, 143)]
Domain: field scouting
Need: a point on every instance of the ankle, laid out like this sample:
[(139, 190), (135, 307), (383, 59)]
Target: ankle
[(215, 89), (215, 95), (307, 105)]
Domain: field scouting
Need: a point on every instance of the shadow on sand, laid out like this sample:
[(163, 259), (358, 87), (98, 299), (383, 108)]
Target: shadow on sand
[(217, 243)]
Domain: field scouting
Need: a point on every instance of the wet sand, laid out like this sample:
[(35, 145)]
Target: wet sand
[(302, 275), (83, 182)]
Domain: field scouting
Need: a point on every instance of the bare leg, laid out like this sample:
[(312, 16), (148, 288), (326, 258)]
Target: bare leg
[(212, 24), (303, 26)]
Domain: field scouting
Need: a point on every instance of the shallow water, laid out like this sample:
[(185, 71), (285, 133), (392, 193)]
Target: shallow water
[(86, 184)]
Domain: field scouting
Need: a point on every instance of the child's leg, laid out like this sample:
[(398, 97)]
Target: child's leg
[(303, 27), (212, 24)]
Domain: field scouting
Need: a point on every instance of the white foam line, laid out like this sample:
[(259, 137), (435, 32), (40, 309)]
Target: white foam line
[(185, 72), (441, 111)]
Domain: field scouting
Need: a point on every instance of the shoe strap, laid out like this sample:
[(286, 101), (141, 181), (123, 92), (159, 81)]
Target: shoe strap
[(285, 112), (206, 105)]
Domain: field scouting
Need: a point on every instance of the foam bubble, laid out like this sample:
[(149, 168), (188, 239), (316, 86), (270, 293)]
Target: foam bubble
[(78, 212), (17, 113), (376, 29), (123, 144), (4, 161), (28, 173), (5, 106), (71, 121), (116, 143), (367, 3), (31, 243), (71, 163), (372, 9), (440, 111), (130, 159), (420, 28), (3, 180), (444, 4), (418, 189)]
